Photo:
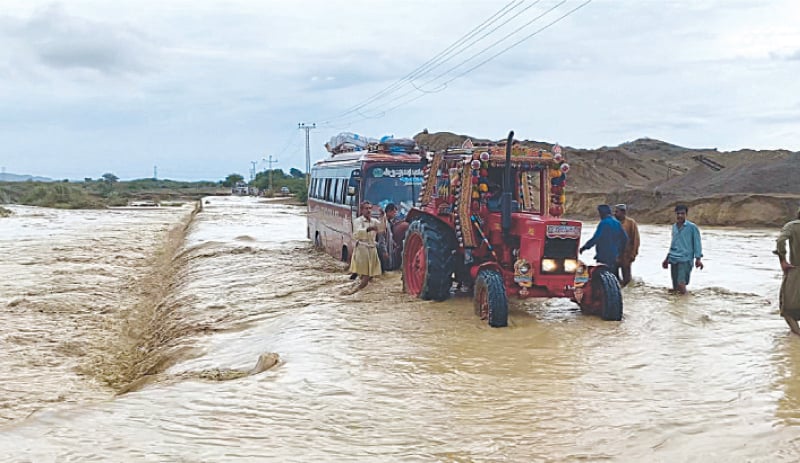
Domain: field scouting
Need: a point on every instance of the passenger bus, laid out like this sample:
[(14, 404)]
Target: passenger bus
[(341, 182)]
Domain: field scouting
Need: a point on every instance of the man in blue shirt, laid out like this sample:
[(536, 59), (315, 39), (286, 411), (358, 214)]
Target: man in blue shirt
[(685, 246), (609, 237)]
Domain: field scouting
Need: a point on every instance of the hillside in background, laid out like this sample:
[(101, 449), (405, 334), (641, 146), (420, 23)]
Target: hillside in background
[(743, 187), (6, 177)]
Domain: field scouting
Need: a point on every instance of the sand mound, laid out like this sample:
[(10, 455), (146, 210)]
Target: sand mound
[(651, 176)]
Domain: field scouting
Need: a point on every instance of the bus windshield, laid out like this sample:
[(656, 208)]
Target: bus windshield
[(399, 185)]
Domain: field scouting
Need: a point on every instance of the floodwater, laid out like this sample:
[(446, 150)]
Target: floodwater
[(92, 305)]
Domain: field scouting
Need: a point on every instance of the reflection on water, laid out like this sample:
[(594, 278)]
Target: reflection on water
[(378, 376)]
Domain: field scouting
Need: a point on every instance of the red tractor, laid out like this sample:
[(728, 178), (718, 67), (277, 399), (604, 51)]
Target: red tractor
[(490, 219)]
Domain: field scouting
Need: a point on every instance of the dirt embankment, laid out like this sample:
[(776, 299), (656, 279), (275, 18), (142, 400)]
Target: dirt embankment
[(743, 187)]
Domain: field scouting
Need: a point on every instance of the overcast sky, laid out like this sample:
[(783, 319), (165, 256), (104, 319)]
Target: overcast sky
[(202, 89)]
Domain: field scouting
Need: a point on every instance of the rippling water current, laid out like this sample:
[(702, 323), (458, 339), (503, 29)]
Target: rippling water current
[(151, 301)]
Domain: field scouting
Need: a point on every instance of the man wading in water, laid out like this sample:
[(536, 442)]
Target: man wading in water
[(631, 249), (685, 246), (790, 287), (365, 262)]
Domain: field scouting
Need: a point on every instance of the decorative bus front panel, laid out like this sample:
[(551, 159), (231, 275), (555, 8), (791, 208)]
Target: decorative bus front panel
[(340, 183)]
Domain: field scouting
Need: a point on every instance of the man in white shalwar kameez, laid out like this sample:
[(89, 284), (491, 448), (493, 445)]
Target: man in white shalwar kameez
[(365, 261)]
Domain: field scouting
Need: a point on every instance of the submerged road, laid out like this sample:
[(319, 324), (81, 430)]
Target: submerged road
[(378, 376)]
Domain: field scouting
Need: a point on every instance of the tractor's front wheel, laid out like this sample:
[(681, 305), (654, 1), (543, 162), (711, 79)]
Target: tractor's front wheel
[(491, 302), (611, 294), (428, 260)]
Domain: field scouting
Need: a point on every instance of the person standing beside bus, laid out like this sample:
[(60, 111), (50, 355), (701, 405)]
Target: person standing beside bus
[(365, 262)]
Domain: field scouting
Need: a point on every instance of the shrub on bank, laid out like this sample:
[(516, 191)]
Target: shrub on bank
[(4, 212), (60, 196)]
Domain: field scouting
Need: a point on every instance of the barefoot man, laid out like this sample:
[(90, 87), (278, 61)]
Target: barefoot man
[(365, 262), (790, 287)]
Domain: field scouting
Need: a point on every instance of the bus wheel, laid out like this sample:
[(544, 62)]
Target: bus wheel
[(428, 260), (491, 302), (345, 256), (317, 241)]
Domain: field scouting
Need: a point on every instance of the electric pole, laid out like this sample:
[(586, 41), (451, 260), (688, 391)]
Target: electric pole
[(253, 170), (307, 128), (270, 162), (155, 172)]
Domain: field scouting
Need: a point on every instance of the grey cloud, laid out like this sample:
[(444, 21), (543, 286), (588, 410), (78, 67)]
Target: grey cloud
[(787, 117), (794, 56), (61, 41), (350, 70)]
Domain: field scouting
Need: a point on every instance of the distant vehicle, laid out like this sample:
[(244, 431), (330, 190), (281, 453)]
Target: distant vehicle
[(385, 172), (284, 190), (143, 203), (240, 189)]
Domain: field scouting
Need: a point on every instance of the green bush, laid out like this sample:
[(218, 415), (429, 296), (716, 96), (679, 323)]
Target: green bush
[(60, 196), (302, 195)]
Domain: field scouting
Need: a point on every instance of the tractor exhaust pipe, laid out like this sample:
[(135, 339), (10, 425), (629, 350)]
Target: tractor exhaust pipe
[(505, 205)]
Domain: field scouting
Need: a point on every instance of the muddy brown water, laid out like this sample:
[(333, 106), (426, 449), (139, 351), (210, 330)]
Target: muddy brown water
[(90, 301)]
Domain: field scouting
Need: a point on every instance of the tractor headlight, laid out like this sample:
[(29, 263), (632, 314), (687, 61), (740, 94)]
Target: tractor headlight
[(570, 265), (524, 268), (549, 265)]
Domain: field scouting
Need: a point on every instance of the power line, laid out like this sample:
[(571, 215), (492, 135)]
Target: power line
[(289, 141), (499, 41), (415, 73), (467, 71), (484, 36), (444, 84), (527, 37)]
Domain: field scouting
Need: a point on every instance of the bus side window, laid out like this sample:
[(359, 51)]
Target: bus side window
[(313, 188), (342, 193), (335, 191), (351, 199)]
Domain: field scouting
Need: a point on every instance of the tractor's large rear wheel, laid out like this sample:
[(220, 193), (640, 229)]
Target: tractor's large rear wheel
[(428, 260), (610, 294), (491, 302)]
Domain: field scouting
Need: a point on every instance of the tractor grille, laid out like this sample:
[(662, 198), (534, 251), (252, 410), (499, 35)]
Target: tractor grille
[(558, 248)]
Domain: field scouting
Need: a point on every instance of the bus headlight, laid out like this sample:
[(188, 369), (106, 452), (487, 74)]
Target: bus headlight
[(570, 265), (549, 265)]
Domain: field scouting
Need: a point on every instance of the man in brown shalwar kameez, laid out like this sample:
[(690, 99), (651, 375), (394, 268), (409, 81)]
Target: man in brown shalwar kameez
[(628, 255), (790, 287)]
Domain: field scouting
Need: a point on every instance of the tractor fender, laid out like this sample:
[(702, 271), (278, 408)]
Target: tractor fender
[(475, 269), (593, 268), (416, 214)]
